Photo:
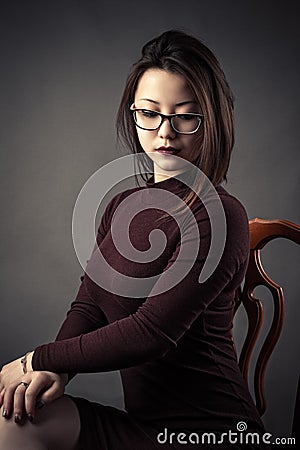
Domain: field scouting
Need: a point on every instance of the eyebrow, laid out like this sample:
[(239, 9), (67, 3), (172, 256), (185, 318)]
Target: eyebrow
[(177, 104)]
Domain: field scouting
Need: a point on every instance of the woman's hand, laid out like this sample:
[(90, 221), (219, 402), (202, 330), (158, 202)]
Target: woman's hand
[(13, 371), (29, 391)]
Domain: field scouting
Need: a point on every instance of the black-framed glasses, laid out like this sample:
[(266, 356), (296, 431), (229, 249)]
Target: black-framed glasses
[(186, 123)]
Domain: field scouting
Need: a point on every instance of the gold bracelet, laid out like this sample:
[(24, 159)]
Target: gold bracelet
[(24, 362)]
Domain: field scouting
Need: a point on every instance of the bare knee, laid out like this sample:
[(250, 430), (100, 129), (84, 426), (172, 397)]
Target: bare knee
[(59, 424), (15, 436), (56, 426)]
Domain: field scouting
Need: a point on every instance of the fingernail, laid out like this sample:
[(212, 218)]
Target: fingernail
[(40, 404), (17, 418), (30, 417), (4, 413)]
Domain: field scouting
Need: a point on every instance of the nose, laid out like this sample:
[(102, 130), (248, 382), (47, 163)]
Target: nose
[(165, 131)]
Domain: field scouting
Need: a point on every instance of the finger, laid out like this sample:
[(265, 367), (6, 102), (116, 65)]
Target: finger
[(37, 385), (1, 382), (32, 402), (18, 402), (8, 400), (2, 396), (55, 391)]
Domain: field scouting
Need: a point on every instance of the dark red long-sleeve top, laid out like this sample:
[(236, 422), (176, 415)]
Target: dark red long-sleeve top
[(174, 349)]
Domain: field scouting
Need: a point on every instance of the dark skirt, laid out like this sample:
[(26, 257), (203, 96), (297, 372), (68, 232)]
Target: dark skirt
[(109, 428)]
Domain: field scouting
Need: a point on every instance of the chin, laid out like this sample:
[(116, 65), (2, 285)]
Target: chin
[(171, 166)]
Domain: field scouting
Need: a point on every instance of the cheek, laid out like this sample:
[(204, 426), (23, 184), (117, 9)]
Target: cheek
[(191, 144), (145, 139)]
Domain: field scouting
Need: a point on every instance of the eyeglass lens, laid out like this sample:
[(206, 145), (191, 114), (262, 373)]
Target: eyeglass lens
[(151, 120)]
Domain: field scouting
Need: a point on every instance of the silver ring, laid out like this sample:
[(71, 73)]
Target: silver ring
[(24, 384)]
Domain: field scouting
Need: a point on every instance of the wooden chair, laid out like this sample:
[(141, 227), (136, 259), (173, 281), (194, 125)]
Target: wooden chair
[(262, 232)]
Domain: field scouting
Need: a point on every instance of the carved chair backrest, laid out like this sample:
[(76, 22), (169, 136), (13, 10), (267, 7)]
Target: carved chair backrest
[(262, 232)]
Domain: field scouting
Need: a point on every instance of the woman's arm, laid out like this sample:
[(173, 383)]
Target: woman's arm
[(162, 319), (83, 316)]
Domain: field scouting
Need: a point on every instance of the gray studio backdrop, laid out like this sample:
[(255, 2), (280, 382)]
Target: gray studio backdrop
[(63, 68)]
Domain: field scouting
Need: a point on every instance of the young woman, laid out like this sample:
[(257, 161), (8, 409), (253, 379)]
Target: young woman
[(174, 346)]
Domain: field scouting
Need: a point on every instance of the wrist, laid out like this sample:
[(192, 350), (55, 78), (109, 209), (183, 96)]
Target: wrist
[(29, 360), (26, 362)]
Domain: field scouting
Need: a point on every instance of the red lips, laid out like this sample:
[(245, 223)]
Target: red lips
[(167, 150)]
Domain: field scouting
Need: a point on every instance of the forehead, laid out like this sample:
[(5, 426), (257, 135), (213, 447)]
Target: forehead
[(163, 86)]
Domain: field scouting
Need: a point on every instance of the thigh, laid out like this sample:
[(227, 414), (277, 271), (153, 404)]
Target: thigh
[(56, 426)]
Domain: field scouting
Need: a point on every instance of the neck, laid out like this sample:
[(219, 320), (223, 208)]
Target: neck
[(160, 175)]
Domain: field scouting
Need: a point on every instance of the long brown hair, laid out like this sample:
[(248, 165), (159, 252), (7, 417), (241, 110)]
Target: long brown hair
[(183, 54)]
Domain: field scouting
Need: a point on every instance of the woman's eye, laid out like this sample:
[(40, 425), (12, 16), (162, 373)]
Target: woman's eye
[(147, 113), (185, 117)]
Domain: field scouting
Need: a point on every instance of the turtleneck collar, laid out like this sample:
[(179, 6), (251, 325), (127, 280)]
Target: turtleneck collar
[(178, 184)]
